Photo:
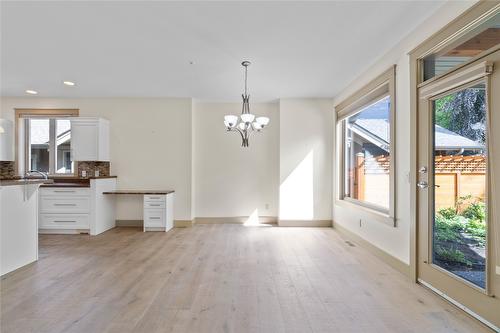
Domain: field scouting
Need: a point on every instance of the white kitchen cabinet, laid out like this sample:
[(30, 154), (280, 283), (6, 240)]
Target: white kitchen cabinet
[(90, 139), (159, 212), (71, 210), (6, 140), (18, 226)]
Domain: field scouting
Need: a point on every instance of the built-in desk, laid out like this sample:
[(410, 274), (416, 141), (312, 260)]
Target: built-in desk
[(158, 208)]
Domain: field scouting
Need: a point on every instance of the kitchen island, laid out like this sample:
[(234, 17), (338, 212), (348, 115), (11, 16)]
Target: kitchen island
[(18, 223)]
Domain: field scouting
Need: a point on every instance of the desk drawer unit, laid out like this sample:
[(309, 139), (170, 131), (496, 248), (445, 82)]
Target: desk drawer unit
[(158, 212)]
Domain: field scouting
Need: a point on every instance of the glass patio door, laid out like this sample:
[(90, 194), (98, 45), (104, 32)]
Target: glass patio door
[(459, 173)]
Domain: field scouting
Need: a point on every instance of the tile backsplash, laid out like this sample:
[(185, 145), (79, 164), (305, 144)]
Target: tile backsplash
[(7, 170), (91, 167)]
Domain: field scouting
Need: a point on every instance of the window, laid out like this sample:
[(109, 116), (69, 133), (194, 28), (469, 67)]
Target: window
[(368, 154), (44, 141), (483, 37), (365, 123)]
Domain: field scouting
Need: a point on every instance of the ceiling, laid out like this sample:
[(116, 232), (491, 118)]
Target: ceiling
[(194, 49)]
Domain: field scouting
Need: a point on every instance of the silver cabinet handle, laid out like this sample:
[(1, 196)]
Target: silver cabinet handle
[(64, 191), (154, 204), (62, 221), (154, 218), (56, 204)]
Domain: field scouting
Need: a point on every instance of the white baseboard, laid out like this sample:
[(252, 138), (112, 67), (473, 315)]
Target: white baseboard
[(233, 219), (392, 261), (139, 223), (305, 223), (63, 231)]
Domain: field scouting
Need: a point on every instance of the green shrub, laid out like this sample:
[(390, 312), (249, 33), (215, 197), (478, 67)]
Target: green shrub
[(448, 229), (477, 229), (452, 255), (448, 213), (475, 211)]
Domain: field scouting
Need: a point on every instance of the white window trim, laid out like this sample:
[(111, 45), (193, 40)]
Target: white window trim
[(384, 84), (22, 136)]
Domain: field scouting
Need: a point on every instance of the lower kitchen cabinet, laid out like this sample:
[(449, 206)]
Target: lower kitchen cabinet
[(71, 210)]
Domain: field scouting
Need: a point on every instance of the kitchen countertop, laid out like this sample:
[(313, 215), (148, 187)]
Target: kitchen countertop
[(74, 181), (21, 181), (158, 192)]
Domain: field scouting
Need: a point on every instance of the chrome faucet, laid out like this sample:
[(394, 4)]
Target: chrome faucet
[(43, 174)]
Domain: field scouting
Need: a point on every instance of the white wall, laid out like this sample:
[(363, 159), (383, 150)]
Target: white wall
[(305, 159), (172, 143), (229, 180), (395, 241), (150, 144)]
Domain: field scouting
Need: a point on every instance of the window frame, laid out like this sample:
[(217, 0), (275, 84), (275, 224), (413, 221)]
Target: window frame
[(22, 117), (383, 85)]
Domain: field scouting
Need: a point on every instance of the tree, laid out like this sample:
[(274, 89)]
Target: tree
[(464, 113)]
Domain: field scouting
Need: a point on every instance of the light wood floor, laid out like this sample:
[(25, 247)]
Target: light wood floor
[(217, 278)]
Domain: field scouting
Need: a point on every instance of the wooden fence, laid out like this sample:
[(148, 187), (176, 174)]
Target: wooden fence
[(456, 176), (452, 186)]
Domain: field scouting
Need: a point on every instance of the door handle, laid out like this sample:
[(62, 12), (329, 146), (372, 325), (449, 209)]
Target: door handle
[(423, 184)]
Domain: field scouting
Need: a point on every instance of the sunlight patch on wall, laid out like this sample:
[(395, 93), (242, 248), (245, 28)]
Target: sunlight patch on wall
[(296, 192)]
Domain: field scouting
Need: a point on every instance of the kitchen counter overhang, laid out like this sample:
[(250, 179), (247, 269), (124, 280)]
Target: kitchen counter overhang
[(25, 181)]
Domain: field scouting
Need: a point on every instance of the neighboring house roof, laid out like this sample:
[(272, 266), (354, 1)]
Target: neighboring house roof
[(373, 125), (39, 131)]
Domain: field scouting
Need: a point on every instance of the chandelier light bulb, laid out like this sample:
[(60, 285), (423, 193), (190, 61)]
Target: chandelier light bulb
[(262, 120), (242, 126), (256, 126), (247, 117), (231, 120)]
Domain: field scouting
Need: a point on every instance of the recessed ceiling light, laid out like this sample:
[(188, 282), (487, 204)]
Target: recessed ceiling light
[(31, 92), (69, 83)]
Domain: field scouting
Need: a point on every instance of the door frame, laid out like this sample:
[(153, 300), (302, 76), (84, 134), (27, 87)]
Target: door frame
[(472, 17), (480, 73)]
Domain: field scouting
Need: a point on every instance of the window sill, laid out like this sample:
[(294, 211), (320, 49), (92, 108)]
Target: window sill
[(374, 214)]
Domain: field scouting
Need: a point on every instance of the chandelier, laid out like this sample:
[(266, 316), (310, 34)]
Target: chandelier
[(246, 123)]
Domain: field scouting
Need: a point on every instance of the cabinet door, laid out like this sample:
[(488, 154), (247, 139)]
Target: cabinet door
[(6, 140), (84, 141), (103, 144)]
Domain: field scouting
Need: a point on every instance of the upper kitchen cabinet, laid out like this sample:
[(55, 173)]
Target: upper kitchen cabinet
[(90, 139), (6, 140)]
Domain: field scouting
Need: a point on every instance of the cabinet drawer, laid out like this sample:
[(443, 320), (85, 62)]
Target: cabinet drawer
[(64, 205), (67, 191), (154, 218), (64, 221), (155, 198), (154, 204)]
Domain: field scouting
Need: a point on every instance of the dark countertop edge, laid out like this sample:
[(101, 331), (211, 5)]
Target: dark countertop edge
[(143, 192), (84, 185), (14, 182), (100, 177)]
